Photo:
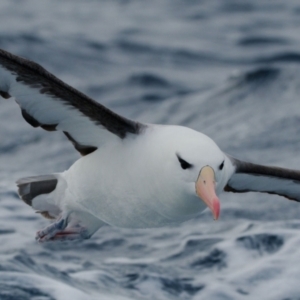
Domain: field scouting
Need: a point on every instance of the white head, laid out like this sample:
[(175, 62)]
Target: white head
[(192, 168)]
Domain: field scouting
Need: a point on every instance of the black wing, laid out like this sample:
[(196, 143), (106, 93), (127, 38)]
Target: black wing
[(249, 177), (48, 102)]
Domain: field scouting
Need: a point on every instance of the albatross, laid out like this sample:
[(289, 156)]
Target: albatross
[(130, 174)]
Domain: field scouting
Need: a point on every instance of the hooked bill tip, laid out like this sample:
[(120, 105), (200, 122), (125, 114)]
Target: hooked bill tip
[(216, 208)]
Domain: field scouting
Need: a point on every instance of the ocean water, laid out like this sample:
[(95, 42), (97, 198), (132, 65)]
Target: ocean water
[(230, 69)]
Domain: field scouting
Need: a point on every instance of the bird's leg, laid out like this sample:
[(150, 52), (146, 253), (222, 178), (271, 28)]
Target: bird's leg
[(73, 225), (50, 231), (72, 233)]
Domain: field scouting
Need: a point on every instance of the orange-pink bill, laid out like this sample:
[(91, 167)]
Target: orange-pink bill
[(205, 189)]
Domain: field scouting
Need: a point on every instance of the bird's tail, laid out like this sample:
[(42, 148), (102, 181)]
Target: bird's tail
[(38, 192)]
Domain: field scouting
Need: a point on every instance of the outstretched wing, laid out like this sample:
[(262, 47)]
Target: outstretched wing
[(249, 177), (48, 102)]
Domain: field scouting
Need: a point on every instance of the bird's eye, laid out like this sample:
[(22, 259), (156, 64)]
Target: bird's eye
[(184, 164), (221, 165)]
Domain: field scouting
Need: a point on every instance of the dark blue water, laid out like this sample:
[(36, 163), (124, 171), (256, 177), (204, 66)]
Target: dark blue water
[(230, 69)]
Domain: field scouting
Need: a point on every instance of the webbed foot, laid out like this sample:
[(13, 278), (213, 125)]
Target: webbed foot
[(51, 230)]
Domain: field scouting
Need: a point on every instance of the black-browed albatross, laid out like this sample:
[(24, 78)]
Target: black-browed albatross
[(130, 174)]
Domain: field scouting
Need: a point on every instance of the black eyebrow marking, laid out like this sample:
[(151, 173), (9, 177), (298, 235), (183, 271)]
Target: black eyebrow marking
[(184, 164), (221, 165)]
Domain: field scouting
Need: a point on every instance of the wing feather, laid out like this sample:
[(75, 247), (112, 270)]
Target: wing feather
[(249, 177), (48, 102)]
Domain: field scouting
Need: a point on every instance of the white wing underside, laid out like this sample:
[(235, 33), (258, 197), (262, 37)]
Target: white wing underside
[(48, 111), (48, 102)]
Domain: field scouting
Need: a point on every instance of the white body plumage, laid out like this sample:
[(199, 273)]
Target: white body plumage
[(138, 182)]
